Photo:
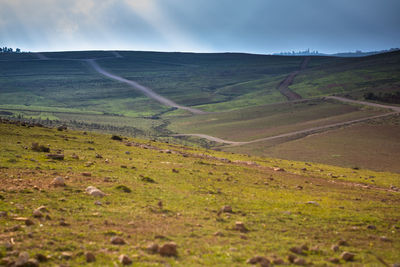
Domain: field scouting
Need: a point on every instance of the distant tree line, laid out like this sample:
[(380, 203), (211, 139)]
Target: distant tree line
[(9, 50), (384, 97)]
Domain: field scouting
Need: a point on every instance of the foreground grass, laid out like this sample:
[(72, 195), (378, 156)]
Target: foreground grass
[(192, 185)]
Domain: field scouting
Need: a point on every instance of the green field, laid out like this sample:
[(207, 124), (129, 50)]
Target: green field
[(161, 193)]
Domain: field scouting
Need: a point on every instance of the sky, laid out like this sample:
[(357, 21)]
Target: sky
[(252, 26)]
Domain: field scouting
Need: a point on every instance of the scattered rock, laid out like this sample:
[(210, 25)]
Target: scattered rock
[(371, 227), (93, 191), (98, 156), (74, 156), (300, 261), (90, 257), (218, 234), (66, 255), (168, 250), (116, 137), (124, 260), (42, 209), (62, 128), (264, 262), (29, 222), (87, 174), (58, 182), (385, 239), (22, 259), (88, 164), (297, 250), (37, 214), (313, 203), (278, 261), (304, 247), (343, 243), (3, 214), (277, 169), (347, 256), (39, 148), (240, 227), (127, 152), (55, 156), (227, 209), (152, 248), (116, 240), (335, 248), (333, 260)]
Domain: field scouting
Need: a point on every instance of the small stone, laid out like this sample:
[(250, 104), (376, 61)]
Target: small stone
[(278, 261), (66, 255), (240, 227), (22, 260), (37, 214), (304, 247), (300, 261), (264, 262), (90, 257), (55, 156), (343, 243), (297, 250), (29, 222), (152, 248), (347, 256), (396, 265), (335, 248), (218, 234), (116, 240), (227, 209), (313, 203), (98, 156), (58, 181), (88, 164), (385, 239), (42, 209), (87, 174), (74, 156), (93, 191), (124, 260), (371, 227), (277, 169), (168, 249), (3, 214), (333, 260), (98, 203)]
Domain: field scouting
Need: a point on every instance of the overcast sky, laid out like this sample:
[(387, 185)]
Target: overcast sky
[(254, 26)]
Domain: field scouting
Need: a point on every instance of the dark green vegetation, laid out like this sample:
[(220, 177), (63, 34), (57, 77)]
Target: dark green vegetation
[(159, 193), (240, 89), (351, 77)]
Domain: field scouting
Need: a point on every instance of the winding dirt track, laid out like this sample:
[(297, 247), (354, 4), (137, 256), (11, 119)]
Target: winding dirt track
[(143, 89), (396, 110)]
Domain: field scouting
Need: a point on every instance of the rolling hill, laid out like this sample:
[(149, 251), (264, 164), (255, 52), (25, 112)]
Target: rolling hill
[(243, 98), (101, 200)]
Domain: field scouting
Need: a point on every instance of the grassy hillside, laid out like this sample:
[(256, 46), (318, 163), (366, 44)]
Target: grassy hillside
[(352, 77), (161, 193), (241, 91)]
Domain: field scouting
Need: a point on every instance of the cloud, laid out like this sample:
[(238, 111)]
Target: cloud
[(200, 25)]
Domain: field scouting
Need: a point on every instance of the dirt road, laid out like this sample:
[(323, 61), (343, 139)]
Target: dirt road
[(145, 90), (395, 109), (283, 87)]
